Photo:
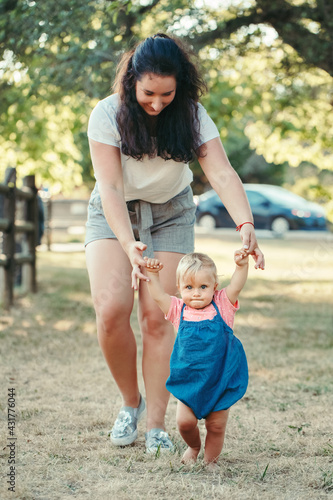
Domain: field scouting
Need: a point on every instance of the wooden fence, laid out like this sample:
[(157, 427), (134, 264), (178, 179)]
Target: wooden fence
[(19, 227)]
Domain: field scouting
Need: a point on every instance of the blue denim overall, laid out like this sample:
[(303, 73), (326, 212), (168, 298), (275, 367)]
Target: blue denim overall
[(208, 367)]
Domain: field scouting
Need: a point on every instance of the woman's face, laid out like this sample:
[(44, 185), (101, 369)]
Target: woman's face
[(154, 92)]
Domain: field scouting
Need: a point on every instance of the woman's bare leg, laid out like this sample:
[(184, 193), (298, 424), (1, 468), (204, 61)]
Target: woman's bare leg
[(109, 272), (188, 427), (158, 338)]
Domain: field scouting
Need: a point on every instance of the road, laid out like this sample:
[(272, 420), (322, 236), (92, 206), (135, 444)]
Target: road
[(263, 234), (230, 234)]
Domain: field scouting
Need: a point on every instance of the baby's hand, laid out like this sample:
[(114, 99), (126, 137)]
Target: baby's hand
[(241, 257), (153, 265)]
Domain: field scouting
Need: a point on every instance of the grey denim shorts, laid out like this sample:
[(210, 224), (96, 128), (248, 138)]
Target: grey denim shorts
[(163, 227)]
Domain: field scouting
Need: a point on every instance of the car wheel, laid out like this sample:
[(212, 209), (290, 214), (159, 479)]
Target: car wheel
[(280, 226), (207, 221)]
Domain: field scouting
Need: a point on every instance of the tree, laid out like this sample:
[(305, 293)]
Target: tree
[(259, 84), (306, 26), (269, 65)]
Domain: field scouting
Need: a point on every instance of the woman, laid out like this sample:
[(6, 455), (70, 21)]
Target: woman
[(141, 140)]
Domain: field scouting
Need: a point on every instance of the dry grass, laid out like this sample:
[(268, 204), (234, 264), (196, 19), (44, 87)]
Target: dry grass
[(279, 438)]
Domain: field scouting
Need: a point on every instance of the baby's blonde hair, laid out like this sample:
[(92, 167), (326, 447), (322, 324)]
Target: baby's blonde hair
[(191, 263)]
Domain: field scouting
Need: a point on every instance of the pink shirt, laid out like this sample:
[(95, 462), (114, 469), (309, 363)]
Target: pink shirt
[(226, 308)]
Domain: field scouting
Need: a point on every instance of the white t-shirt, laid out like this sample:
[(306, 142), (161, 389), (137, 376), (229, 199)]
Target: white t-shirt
[(153, 179)]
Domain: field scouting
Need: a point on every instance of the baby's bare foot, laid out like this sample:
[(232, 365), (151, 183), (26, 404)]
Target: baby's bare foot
[(212, 466), (190, 456)]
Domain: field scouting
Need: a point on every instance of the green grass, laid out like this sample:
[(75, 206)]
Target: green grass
[(279, 436)]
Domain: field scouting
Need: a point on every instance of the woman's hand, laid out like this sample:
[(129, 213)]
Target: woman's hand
[(258, 258), (250, 245), (134, 252)]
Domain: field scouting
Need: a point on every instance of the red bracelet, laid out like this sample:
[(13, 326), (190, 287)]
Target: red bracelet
[(238, 228)]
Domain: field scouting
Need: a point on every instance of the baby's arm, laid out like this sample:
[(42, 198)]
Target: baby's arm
[(153, 266), (239, 277)]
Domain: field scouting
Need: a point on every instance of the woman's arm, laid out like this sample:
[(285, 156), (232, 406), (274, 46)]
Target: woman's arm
[(108, 172), (225, 181)]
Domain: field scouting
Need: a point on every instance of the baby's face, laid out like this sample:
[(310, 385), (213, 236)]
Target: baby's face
[(197, 290)]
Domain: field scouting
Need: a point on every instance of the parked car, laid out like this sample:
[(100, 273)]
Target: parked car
[(273, 208)]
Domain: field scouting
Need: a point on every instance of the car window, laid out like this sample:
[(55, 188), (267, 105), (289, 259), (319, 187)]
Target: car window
[(255, 199), (284, 197)]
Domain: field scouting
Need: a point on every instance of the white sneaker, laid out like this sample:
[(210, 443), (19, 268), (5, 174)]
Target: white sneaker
[(124, 430), (158, 440)]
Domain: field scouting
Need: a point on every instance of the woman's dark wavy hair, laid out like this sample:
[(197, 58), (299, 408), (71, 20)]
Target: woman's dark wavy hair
[(177, 132)]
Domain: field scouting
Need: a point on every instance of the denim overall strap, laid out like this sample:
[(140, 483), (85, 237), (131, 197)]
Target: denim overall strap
[(182, 314), (216, 309)]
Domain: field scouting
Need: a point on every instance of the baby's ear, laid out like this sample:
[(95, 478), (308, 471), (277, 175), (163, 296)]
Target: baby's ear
[(215, 286)]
